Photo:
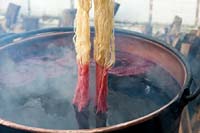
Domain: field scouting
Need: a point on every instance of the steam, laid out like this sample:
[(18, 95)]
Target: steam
[(37, 91)]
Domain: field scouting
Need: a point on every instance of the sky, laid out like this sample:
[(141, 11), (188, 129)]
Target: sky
[(130, 10)]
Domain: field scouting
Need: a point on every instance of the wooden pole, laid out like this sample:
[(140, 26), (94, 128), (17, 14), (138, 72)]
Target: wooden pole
[(185, 122), (197, 14), (72, 4), (29, 7), (150, 11)]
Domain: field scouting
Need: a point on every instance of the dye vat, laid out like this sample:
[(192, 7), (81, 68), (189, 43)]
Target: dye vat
[(148, 84)]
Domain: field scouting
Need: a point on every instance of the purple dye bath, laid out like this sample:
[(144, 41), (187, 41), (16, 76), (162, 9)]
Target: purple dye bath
[(38, 91)]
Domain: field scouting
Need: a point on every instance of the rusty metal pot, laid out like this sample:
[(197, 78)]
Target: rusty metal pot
[(164, 120)]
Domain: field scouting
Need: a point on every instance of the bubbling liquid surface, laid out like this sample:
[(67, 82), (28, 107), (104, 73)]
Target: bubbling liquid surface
[(38, 91)]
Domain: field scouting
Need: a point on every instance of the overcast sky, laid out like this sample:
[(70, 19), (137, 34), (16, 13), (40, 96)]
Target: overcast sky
[(131, 10)]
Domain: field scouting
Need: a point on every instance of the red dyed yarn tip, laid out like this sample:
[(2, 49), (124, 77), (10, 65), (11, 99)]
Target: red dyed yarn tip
[(101, 89), (81, 97)]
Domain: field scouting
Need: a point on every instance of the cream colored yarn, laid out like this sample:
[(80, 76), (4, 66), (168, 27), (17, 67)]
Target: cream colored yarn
[(104, 48), (82, 32)]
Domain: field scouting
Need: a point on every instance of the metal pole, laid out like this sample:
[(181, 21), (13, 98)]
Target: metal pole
[(150, 11), (197, 14)]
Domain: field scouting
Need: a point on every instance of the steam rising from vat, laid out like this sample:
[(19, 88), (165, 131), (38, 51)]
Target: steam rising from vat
[(37, 91), (30, 90)]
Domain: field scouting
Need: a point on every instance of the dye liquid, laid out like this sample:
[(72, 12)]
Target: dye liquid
[(37, 91)]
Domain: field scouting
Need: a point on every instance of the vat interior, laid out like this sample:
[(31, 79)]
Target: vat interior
[(38, 79)]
